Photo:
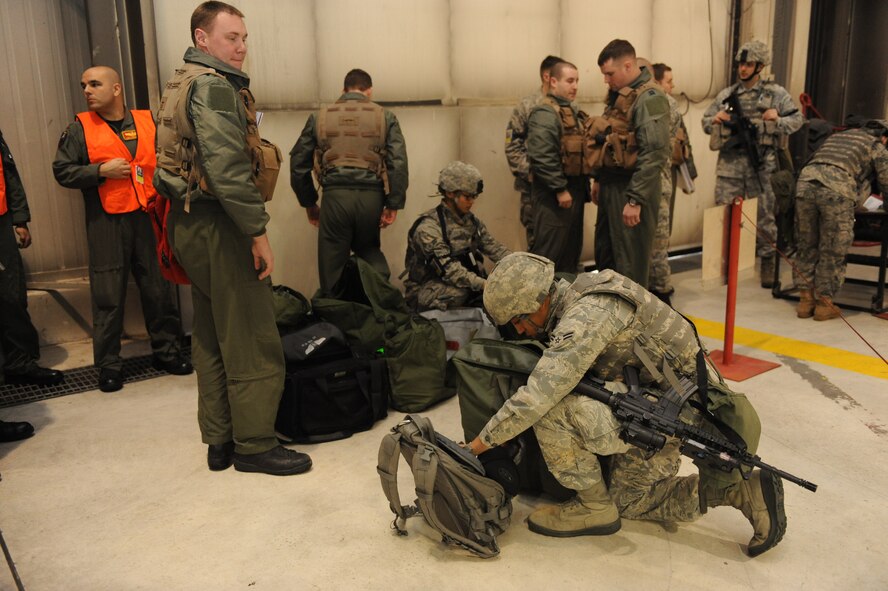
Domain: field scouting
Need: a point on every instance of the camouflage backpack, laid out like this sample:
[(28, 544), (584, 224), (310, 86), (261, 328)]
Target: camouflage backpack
[(453, 494)]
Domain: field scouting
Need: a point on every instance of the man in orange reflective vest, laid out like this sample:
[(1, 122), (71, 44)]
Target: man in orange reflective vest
[(19, 343), (108, 153)]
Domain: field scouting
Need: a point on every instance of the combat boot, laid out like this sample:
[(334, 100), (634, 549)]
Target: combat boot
[(805, 309), (760, 499), (590, 513), (825, 309), (768, 271)]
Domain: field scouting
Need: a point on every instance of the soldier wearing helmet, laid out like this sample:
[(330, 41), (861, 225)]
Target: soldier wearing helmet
[(775, 116), (446, 245), (839, 175), (603, 322)]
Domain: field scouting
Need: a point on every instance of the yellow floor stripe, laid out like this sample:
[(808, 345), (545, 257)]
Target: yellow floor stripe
[(863, 364)]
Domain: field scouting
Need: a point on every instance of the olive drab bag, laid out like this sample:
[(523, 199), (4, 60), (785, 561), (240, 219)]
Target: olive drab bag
[(488, 372), (374, 317), (453, 494)]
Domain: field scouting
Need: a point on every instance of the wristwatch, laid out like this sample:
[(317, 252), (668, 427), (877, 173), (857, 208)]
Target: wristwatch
[(633, 202)]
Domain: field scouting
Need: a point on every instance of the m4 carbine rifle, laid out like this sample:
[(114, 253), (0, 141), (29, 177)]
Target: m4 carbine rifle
[(745, 131), (648, 416)]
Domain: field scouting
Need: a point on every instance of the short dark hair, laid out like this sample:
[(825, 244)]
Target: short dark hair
[(203, 15), (616, 49), (558, 68), (660, 71), (357, 79), (548, 63)]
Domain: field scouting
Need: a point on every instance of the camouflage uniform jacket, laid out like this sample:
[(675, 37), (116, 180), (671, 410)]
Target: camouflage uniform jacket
[(595, 324), (516, 136), (302, 163), (467, 234), (846, 164), (16, 200), (220, 121), (764, 95)]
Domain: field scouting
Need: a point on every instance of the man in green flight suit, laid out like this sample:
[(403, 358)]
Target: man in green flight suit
[(217, 225), (559, 190), (627, 192), (357, 152)]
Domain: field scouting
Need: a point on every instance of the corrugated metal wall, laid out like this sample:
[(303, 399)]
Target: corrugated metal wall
[(34, 110)]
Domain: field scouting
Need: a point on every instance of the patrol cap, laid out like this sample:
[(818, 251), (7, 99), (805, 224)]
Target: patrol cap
[(517, 285), (754, 51), (878, 126), (460, 177)]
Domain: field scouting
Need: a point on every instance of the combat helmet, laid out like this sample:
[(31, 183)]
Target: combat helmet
[(877, 127), (754, 51), (517, 285), (460, 177)]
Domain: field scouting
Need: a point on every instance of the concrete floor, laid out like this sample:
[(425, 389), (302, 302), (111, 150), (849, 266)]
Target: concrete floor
[(113, 491)]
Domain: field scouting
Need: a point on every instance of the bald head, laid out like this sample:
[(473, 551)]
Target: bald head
[(103, 92)]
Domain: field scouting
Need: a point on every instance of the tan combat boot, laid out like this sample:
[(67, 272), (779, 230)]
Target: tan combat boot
[(768, 271), (825, 309), (805, 309), (760, 499), (590, 513)]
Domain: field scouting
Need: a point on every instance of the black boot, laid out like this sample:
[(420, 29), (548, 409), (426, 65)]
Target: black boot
[(15, 431), (220, 457), (279, 461), (36, 375)]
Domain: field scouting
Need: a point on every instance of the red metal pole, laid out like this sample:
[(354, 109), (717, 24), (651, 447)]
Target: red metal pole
[(733, 262)]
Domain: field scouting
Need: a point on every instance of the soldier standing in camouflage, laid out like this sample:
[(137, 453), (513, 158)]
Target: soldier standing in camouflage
[(446, 246), (357, 152), (770, 107), (839, 173), (559, 188), (628, 198), (516, 149), (603, 322), (660, 276), (217, 225)]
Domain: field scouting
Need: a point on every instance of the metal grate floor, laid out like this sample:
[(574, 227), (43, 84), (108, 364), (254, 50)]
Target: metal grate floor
[(81, 379)]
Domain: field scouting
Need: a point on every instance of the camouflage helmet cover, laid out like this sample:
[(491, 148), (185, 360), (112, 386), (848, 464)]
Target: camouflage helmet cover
[(878, 126), (754, 51), (460, 177), (517, 285)]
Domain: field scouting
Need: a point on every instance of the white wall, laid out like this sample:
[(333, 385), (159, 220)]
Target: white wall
[(477, 57)]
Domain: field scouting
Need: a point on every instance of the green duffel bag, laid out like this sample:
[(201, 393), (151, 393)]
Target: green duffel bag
[(291, 309), (417, 365), (487, 373)]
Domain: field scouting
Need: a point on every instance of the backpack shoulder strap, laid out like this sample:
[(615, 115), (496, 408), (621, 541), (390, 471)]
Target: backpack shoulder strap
[(387, 468)]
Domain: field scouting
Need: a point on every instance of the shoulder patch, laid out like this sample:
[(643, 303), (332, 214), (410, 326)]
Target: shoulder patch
[(62, 139), (222, 99), (655, 104)]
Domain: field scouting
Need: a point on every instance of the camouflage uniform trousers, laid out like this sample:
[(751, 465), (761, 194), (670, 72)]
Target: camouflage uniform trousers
[(747, 186), (825, 225), (437, 295), (527, 217), (660, 275)]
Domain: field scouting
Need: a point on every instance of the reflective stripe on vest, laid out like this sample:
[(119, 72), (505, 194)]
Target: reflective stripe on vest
[(3, 205), (103, 144)]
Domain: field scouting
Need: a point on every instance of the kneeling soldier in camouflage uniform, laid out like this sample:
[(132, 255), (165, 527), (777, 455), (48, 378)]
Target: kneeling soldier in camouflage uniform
[(603, 322), (828, 188), (446, 245)]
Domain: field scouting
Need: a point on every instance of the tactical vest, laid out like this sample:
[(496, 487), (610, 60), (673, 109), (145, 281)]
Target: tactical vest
[(571, 137), (103, 144), (420, 268), (351, 133), (4, 206), (660, 337), (754, 104), (176, 149), (848, 150), (610, 139)]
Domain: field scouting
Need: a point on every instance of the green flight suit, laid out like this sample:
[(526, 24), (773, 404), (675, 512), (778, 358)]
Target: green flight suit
[(558, 232), (19, 343), (118, 244), (236, 348), (628, 250), (353, 199)]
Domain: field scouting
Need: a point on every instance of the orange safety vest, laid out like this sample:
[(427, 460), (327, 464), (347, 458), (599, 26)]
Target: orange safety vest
[(3, 206), (103, 144)]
